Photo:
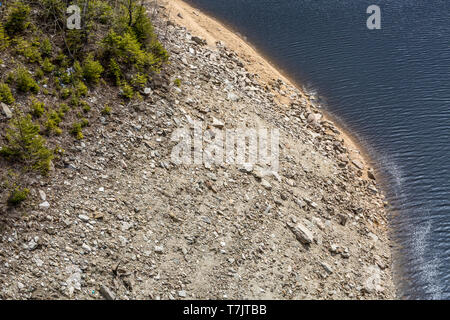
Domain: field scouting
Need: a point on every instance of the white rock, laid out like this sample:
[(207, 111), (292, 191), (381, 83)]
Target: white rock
[(266, 184), (86, 247), (83, 218), (217, 123), (6, 111), (159, 249), (42, 195), (44, 205), (232, 97)]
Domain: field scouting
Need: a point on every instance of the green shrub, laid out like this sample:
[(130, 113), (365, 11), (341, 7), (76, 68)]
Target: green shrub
[(37, 108), (80, 89), (25, 81), (127, 51), (29, 50), (142, 27), (177, 82), (77, 130), (46, 47), (4, 39), (65, 77), (106, 110), (47, 66), (100, 11), (63, 109), (5, 94), (17, 19), (65, 93), (127, 91), (52, 123), (17, 196), (92, 70), (26, 145), (74, 101), (84, 122), (39, 74), (85, 106), (62, 60), (114, 71), (75, 40), (139, 80)]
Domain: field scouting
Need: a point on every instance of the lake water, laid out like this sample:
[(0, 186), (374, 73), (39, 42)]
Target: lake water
[(391, 87)]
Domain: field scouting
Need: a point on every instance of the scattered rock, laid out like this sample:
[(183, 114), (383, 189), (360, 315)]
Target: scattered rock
[(83, 218), (6, 111), (303, 234), (159, 249), (107, 293), (357, 163), (217, 123), (266, 184), (44, 205), (327, 268)]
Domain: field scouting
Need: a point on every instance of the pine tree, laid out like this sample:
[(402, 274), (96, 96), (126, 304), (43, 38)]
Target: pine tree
[(25, 144)]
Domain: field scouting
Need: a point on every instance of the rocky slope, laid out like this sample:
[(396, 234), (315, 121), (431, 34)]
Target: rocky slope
[(118, 219)]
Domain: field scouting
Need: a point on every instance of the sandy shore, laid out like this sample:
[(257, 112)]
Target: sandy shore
[(209, 28)]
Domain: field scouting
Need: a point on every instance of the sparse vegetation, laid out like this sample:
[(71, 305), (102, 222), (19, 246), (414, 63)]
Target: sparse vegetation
[(106, 110), (37, 108), (17, 196), (17, 19), (5, 94), (24, 81), (92, 70), (117, 46), (26, 145)]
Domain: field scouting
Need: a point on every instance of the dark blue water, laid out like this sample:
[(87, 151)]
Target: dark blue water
[(392, 88)]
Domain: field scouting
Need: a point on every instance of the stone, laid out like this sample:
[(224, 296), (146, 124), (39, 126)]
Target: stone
[(33, 244), (107, 293), (327, 268), (74, 280), (147, 91), (217, 123), (159, 249), (313, 119), (86, 247), (42, 195), (357, 163), (266, 184), (44, 205), (232, 97), (343, 218), (83, 218), (182, 294), (6, 111), (334, 248), (303, 234), (198, 40)]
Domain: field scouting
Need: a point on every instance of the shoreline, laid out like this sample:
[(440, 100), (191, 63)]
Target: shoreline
[(212, 29)]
